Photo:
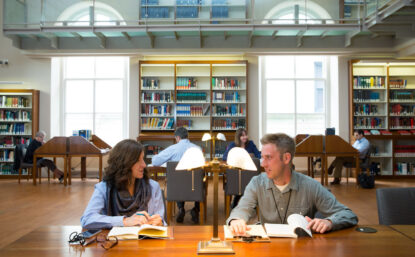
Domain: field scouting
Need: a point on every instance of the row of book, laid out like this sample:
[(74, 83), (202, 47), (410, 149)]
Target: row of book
[(155, 12), (187, 11), (16, 128), (12, 141), (232, 109), (192, 110), (184, 123), (153, 149), (186, 83), (227, 96), (14, 101), (7, 169), (402, 109), (191, 96), (397, 83), (6, 155), (85, 133), (15, 115), (228, 123), (402, 95), (365, 109), (220, 12), (404, 149), (369, 82), (363, 95), (397, 122), (150, 83), (225, 83), (157, 123), (149, 2), (162, 110), (157, 97), (405, 168), (368, 122)]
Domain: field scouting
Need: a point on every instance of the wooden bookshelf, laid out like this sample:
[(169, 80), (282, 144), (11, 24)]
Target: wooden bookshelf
[(19, 122), (382, 98), (203, 96)]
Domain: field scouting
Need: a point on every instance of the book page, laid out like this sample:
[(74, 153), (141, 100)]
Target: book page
[(279, 230), (153, 231), (299, 221), (123, 231)]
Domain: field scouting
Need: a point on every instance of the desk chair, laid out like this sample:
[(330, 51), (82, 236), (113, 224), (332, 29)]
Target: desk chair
[(185, 186), (364, 163), (396, 206), (20, 152), (235, 182)]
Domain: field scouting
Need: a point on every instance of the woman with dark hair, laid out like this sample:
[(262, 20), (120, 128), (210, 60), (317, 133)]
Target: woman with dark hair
[(126, 196), (242, 140)]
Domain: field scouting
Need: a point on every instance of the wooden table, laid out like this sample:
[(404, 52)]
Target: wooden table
[(407, 230), (52, 241)]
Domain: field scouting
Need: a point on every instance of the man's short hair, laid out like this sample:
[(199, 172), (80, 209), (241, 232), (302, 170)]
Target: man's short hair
[(283, 142), (359, 131), (181, 132), (41, 133)]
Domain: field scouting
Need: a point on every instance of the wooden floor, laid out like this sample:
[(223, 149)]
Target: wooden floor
[(24, 207)]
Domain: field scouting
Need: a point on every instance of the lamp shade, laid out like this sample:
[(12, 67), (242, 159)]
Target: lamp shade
[(191, 159), (238, 157), (206, 137), (221, 136)]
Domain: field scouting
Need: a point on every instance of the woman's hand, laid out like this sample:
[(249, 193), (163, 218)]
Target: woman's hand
[(155, 220), (139, 218)]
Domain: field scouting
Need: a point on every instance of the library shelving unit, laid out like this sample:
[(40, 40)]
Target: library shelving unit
[(203, 96), (193, 9), (19, 122), (382, 103)]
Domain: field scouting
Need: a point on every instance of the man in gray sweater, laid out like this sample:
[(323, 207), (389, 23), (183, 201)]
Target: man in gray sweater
[(281, 191)]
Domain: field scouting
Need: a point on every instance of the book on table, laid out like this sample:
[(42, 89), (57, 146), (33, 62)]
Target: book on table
[(256, 233), (136, 232), (297, 226)]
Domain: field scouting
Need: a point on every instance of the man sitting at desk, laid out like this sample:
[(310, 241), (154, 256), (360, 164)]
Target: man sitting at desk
[(35, 144), (361, 144), (174, 153), (281, 191)]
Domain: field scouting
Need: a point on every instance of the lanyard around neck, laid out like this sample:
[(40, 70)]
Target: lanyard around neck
[(286, 209)]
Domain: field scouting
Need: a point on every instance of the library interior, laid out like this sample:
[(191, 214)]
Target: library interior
[(192, 127)]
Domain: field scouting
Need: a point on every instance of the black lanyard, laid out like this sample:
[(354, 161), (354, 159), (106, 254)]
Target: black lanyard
[(276, 205)]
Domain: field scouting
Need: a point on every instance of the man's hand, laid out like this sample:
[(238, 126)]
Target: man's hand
[(319, 225), (238, 227), (155, 220), (138, 218)]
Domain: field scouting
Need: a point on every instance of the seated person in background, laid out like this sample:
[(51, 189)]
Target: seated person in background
[(40, 162), (241, 140), (281, 191), (126, 196), (174, 153), (361, 144)]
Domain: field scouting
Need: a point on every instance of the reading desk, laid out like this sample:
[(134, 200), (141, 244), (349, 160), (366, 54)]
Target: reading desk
[(52, 241)]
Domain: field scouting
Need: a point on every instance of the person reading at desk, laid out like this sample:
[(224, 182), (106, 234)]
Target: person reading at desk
[(174, 153), (281, 191), (361, 144), (126, 196), (241, 140), (41, 162)]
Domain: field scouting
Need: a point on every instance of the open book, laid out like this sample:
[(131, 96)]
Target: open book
[(124, 233), (256, 233), (297, 226)]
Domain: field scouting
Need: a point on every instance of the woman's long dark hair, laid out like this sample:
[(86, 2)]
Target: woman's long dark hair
[(122, 158), (238, 135)]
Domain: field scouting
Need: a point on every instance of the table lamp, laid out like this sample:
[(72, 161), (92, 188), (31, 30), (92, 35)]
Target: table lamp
[(207, 136), (237, 158)]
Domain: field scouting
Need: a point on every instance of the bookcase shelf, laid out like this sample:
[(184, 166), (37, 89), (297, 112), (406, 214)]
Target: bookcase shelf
[(19, 122), (392, 112)]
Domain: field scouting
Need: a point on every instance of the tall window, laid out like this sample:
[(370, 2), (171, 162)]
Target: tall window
[(294, 94), (95, 96)]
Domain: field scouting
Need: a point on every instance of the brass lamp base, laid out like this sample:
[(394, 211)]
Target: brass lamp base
[(215, 246)]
